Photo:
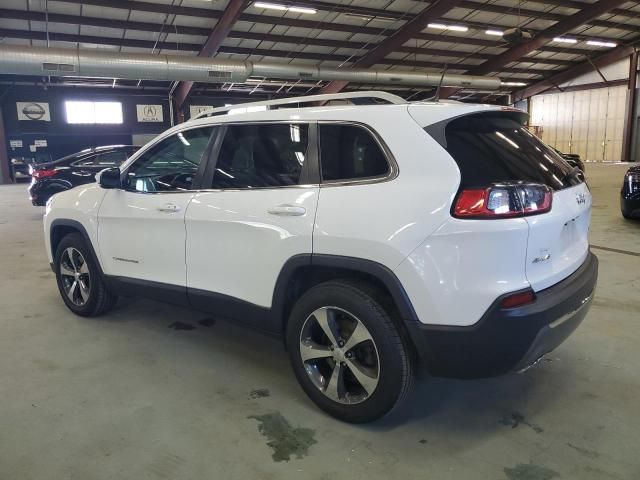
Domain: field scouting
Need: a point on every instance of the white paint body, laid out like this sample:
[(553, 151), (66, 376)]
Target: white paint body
[(228, 241)]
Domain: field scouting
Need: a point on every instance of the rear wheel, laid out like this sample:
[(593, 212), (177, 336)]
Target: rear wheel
[(79, 279), (347, 353)]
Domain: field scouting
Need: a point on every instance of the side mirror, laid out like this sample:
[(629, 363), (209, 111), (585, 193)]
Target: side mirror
[(109, 178)]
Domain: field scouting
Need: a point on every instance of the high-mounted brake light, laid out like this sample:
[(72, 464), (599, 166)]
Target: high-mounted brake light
[(43, 173), (503, 201)]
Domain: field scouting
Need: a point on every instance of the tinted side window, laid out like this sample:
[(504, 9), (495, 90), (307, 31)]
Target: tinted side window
[(89, 161), (262, 155), (109, 159), (171, 164), (350, 152)]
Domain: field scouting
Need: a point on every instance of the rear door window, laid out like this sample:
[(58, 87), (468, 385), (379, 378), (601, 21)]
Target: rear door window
[(496, 147), (350, 152), (262, 156), (88, 161), (114, 158)]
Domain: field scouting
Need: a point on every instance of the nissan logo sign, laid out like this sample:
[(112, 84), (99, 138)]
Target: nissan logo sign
[(34, 111)]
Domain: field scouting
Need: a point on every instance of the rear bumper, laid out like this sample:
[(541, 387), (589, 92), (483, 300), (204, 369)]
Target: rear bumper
[(630, 207), (38, 194), (41, 191), (507, 340)]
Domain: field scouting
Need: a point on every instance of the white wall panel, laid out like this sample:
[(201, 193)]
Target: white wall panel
[(589, 123)]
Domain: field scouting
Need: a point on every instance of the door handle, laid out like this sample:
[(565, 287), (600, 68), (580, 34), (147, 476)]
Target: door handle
[(169, 207), (287, 210)]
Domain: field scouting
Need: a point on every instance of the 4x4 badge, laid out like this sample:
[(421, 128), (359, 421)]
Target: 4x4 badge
[(581, 198)]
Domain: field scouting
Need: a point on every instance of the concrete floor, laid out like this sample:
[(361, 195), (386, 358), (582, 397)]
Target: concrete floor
[(127, 397)]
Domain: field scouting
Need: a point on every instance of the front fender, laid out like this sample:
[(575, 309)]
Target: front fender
[(78, 206)]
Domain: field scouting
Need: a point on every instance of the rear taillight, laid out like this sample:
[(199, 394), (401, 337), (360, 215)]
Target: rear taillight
[(43, 173), (503, 201), (518, 299)]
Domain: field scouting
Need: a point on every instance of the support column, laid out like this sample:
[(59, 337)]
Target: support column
[(630, 120), (5, 175)]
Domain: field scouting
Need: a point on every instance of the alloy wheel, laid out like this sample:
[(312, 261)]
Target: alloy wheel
[(76, 280), (339, 355)]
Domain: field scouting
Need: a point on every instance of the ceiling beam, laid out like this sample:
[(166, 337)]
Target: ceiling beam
[(589, 86), (204, 32), (358, 10), (537, 14), (577, 5), (519, 51), (601, 61), (261, 37), (214, 41), (118, 42), (127, 42), (215, 14), (397, 39)]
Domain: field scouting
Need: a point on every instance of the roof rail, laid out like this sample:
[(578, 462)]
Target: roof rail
[(389, 97)]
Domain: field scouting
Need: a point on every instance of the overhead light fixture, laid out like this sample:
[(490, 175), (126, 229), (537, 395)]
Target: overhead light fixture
[(600, 43), (270, 6), (565, 40), (302, 10), (495, 33), (442, 26), (513, 84), (284, 8)]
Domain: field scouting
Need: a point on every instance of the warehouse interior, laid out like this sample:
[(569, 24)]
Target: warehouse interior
[(151, 390)]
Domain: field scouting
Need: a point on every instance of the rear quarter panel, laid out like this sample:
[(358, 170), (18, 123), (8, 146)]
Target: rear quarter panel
[(385, 221)]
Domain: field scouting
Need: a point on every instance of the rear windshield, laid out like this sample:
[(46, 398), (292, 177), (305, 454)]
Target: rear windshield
[(494, 147)]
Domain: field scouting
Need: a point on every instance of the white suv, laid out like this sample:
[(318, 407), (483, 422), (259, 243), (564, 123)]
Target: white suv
[(371, 237)]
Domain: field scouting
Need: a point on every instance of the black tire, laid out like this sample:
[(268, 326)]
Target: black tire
[(99, 300), (394, 354)]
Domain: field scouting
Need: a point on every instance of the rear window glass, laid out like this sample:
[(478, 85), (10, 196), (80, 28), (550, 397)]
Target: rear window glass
[(496, 147)]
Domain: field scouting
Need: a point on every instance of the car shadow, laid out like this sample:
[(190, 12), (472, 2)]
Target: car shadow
[(468, 407)]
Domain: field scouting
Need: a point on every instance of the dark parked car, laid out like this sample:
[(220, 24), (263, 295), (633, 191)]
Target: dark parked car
[(77, 169), (572, 159), (630, 194), (20, 169)]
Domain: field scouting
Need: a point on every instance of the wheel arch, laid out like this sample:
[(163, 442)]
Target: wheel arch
[(62, 227), (302, 272)]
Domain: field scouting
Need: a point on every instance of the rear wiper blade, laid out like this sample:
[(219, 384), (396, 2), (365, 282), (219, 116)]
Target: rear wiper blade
[(574, 173)]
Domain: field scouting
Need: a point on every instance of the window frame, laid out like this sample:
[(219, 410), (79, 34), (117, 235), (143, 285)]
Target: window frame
[(309, 176), (386, 151), (94, 156), (204, 161)]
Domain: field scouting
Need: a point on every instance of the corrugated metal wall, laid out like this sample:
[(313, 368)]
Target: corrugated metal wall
[(588, 122)]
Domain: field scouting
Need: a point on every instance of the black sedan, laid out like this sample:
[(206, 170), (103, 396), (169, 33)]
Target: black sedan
[(630, 194), (50, 178)]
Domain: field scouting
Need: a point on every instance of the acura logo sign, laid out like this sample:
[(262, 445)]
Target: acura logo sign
[(581, 198), (150, 111), (33, 111)]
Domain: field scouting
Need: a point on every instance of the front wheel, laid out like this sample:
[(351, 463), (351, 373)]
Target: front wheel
[(79, 279), (347, 353)]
